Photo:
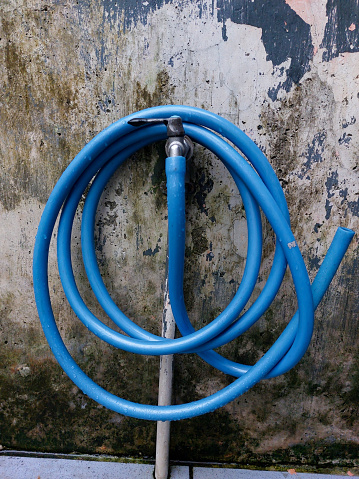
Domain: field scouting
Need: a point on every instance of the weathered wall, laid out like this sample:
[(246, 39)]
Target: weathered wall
[(287, 73)]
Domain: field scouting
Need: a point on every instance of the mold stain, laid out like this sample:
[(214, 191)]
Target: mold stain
[(288, 127), (161, 95), (40, 399), (41, 98)]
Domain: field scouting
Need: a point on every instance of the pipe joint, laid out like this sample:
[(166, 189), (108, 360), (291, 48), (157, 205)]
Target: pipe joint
[(178, 144)]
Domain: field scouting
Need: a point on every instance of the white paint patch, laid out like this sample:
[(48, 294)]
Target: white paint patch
[(240, 237), (18, 228)]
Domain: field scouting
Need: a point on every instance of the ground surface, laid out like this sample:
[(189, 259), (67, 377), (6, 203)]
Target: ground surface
[(13, 467)]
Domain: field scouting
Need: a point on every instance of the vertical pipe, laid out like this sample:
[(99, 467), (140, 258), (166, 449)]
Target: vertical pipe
[(175, 174), (165, 392)]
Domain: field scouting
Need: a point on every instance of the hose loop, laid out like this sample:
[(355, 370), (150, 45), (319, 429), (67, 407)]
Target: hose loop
[(259, 189)]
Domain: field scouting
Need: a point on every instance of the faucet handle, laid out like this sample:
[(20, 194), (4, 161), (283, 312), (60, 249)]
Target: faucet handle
[(174, 124)]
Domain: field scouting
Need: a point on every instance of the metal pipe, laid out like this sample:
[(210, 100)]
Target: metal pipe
[(165, 392)]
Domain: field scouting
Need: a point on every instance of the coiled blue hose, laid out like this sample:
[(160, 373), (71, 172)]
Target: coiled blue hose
[(259, 188)]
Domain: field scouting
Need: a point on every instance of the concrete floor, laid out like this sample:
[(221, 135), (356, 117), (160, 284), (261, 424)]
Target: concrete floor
[(15, 467)]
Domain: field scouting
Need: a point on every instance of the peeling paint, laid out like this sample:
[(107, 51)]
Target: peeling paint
[(340, 33), (285, 36)]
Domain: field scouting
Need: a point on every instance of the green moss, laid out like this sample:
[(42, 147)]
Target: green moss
[(219, 438), (158, 178), (46, 412)]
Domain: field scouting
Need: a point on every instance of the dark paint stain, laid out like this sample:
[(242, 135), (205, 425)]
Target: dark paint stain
[(317, 226), (333, 183), (350, 122), (345, 139), (134, 11), (314, 152), (224, 33), (352, 206), (328, 209), (341, 31), (284, 34), (313, 262), (151, 252), (209, 256)]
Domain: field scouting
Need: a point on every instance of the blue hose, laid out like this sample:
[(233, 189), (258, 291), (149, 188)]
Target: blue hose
[(259, 188)]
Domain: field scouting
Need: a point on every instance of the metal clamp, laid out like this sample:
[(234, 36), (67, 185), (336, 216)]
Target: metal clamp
[(178, 144)]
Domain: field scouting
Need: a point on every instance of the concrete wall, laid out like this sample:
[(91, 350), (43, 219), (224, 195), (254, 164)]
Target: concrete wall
[(287, 73)]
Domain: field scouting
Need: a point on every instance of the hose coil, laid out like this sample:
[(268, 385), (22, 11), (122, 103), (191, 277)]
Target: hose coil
[(259, 188)]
